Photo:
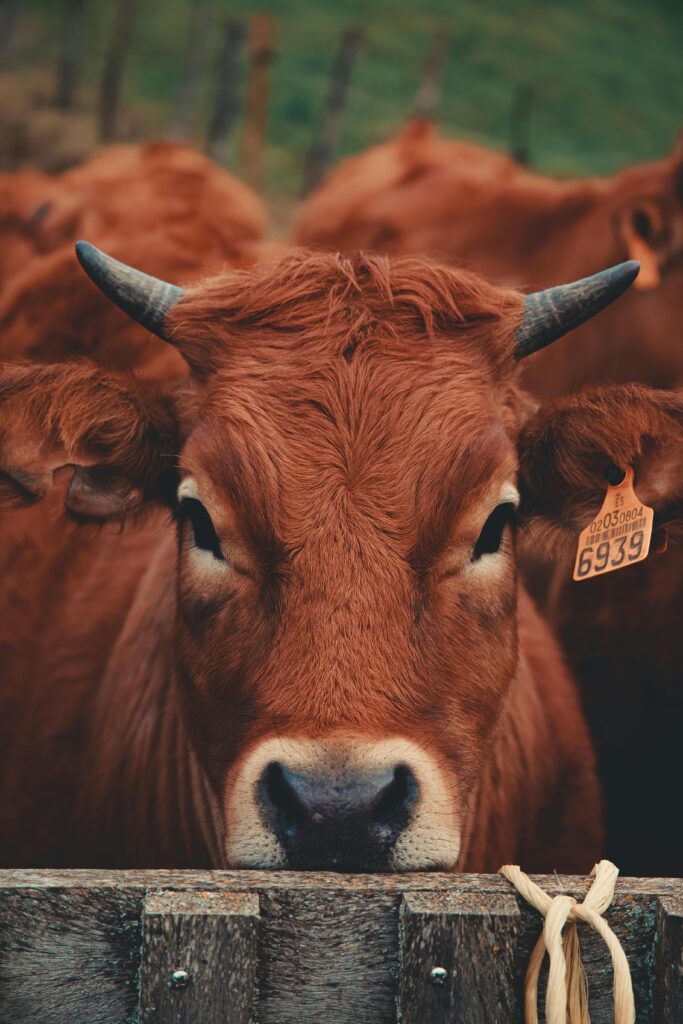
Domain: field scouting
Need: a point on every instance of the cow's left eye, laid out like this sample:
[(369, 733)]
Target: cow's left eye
[(491, 536), (205, 536)]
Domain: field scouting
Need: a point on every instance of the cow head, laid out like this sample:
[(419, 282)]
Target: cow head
[(38, 213), (345, 467), (648, 217)]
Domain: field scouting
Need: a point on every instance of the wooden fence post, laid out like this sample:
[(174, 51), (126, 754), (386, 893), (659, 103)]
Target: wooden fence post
[(195, 53), (71, 55), (429, 92), (226, 103), (669, 960), (261, 45), (321, 151), (457, 958), (114, 66), (199, 958), (9, 16), (520, 125)]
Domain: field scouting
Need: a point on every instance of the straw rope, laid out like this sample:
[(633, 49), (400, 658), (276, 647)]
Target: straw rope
[(566, 1000)]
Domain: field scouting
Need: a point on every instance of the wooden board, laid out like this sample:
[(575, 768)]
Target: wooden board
[(328, 948), (199, 958), (459, 958), (69, 955), (669, 960)]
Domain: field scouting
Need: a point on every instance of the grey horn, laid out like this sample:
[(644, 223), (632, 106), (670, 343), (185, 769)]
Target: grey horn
[(144, 298), (551, 313)]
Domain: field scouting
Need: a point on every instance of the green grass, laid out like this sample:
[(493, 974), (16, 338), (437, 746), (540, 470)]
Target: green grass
[(606, 73)]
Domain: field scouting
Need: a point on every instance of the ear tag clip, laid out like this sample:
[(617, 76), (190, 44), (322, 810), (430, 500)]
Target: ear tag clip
[(619, 535)]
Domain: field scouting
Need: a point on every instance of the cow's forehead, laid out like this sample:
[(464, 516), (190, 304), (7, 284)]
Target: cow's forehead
[(385, 434), (384, 388)]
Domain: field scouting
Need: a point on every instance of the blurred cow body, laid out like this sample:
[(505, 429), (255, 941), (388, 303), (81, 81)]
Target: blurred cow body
[(421, 193), (162, 206), (623, 639)]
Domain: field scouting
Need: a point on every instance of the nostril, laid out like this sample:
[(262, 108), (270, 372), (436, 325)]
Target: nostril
[(393, 809), (278, 797), (337, 819)]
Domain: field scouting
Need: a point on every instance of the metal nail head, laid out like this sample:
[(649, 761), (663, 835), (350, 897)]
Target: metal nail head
[(438, 975), (180, 978)]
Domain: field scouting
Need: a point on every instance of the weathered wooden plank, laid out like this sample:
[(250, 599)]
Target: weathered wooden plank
[(328, 957), (226, 105), (70, 940), (632, 918), (669, 961), (459, 959), (114, 68), (69, 956), (70, 63), (199, 958), (261, 49), (246, 881), (429, 92), (324, 143)]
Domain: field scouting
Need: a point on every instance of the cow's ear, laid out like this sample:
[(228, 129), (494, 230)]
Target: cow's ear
[(117, 434), (567, 447)]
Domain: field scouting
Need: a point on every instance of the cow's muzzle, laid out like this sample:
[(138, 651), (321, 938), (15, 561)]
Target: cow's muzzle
[(349, 821), (342, 803)]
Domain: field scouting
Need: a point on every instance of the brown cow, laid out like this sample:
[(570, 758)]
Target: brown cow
[(164, 206), (327, 662), (420, 193), (623, 638)]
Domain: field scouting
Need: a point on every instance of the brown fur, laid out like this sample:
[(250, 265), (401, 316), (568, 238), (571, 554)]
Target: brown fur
[(350, 422), (163, 207), (622, 631), (423, 194)]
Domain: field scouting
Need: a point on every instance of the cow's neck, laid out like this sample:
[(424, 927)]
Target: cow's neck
[(148, 794)]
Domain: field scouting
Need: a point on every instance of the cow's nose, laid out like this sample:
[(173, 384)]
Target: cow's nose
[(340, 822)]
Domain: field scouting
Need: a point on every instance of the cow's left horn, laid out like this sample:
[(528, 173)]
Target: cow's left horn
[(551, 313), (144, 298)]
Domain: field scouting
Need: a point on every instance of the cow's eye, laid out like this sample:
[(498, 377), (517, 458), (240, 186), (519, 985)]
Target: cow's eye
[(205, 536), (491, 536), (642, 224)]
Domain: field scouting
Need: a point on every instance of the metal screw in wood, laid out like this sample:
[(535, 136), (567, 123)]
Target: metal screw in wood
[(180, 978)]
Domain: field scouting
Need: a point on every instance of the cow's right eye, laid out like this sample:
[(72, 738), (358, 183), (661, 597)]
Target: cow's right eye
[(205, 536), (642, 224), (491, 536)]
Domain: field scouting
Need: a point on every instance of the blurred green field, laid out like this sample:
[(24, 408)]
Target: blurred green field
[(607, 74)]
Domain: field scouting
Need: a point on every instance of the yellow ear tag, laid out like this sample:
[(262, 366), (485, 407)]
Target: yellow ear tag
[(619, 535)]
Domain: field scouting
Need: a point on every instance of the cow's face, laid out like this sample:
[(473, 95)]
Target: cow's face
[(648, 217), (347, 594)]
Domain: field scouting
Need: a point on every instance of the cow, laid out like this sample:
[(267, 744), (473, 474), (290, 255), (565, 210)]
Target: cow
[(323, 657), (420, 193), (623, 640), (162, 205)]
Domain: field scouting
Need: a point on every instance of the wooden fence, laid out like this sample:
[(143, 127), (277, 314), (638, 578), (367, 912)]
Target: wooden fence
[(249, 44), (155, 947)]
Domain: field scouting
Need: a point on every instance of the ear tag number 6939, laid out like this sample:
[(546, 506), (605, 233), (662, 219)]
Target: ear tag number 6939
[(619, 535)]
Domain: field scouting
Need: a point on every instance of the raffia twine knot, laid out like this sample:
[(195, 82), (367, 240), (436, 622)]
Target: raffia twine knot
[(566, 1000)]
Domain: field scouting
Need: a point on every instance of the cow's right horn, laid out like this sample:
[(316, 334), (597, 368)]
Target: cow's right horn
[(551, 313), (144, 298)]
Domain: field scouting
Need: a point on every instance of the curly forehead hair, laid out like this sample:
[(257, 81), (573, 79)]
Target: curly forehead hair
[(343, 299)]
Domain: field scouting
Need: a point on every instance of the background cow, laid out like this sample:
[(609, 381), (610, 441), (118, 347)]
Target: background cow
[(622, 636), (163, 206), (327, 662), (421, 193)]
